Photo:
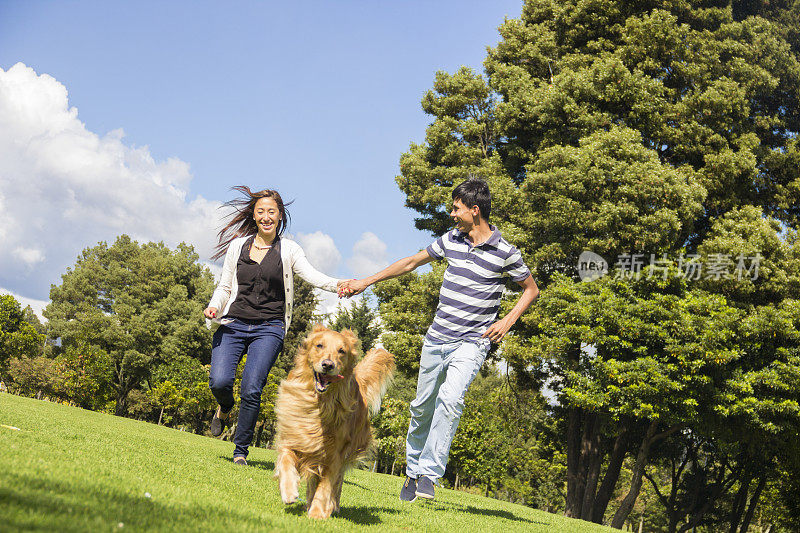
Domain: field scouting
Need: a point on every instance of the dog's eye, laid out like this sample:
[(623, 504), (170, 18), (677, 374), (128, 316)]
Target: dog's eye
[(319, 345), (341, 351)]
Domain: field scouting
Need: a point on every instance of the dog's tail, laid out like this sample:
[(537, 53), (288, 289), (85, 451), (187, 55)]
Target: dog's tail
[(374, 374)]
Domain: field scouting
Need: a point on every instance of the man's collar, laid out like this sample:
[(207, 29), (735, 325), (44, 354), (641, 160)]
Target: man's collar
[(493, 239)]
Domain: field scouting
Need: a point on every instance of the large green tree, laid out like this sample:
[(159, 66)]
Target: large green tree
[(654, 127), (140, 304)]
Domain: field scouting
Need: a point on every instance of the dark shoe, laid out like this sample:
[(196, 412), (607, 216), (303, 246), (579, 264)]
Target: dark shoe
[(239, 460), (424, 488), (409, 491), (218, 424)]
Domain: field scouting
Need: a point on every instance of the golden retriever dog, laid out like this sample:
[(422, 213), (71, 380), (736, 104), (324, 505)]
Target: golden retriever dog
[(323, 411)]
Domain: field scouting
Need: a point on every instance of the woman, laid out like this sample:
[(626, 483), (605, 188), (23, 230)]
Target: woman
[(253, 305)]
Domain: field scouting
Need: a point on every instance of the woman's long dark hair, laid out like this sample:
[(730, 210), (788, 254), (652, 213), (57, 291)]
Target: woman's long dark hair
[(242, 223)]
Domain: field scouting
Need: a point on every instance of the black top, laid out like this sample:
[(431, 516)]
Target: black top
[(260, 295)]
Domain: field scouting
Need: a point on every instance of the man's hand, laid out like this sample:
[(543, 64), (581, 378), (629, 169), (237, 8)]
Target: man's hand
[(351, 287), (343, 288), (210, 312), (498, 330)]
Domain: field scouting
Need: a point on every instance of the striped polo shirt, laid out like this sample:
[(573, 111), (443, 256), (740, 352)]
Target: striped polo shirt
[(473, 284)]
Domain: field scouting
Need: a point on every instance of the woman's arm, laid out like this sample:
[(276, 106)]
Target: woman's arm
[(305, 270)]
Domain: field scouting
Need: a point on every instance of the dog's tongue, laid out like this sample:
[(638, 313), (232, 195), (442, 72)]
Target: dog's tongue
[(330, 378)]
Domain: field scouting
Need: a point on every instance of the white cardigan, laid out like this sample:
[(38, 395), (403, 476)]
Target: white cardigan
[(293, 259)]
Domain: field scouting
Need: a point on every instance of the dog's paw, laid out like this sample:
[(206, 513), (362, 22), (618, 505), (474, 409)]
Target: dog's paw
[(318, 513), (289, 497)]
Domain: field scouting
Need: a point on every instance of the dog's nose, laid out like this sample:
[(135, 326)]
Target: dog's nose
[(327, 365)]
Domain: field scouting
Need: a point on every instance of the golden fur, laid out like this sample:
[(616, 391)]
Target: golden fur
[(323, 411)]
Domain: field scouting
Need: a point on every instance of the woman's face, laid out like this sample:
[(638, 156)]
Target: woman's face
[(267, 216)]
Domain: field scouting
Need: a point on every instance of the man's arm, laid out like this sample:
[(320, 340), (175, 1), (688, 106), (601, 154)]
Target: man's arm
[(398, 268), (498, 330)]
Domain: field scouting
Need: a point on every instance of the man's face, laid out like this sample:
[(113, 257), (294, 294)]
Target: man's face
[(463, 216)]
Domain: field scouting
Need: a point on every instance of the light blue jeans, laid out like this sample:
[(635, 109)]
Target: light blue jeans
[(445, 373)]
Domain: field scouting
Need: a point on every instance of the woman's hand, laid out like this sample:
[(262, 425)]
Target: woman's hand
[(343, 288), (210, 312), (352, 287)]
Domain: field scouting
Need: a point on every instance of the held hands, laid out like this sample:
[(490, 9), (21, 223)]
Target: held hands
[(210, 312), (351, 287), (498, 330)]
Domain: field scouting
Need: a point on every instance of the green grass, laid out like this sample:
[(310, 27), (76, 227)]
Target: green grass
[(67, 469)]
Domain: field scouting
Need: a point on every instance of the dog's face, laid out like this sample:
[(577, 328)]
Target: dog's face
[(331, 355)]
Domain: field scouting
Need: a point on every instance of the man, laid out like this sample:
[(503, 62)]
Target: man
[(459, 338)]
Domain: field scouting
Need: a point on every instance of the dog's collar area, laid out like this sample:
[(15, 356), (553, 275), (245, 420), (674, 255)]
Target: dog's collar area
[(322, 381)]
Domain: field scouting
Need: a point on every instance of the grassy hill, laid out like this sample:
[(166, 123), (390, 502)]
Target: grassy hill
[(67, 469)]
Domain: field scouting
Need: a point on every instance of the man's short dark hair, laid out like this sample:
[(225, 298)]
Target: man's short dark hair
[(475, 191)]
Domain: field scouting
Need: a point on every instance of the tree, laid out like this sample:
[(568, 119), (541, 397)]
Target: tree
[(35, 376), (18, 338), (629, 128), (29, 316), (166, 397), (86, 375), (360, 318), (139, 304), (179, 390)]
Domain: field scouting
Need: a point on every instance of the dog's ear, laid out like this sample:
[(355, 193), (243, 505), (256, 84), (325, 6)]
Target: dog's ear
[(312, 336), (354, 344)]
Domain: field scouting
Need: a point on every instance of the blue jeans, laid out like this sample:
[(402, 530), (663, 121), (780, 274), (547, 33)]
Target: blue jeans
[(445, 373), (262, 341)]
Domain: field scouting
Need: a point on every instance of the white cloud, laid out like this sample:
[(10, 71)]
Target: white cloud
[(320, 250), (369, 256), (29, 256), (64, 188), (328, 302), (37, 305)]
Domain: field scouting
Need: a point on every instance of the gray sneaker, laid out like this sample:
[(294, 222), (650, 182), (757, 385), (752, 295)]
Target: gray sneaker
[(409, 491), (424, 488)]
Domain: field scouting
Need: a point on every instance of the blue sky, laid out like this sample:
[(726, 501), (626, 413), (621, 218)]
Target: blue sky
[(186, 99)]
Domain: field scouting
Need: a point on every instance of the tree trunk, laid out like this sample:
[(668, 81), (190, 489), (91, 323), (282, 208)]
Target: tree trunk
[(740, 503), (456, 485), (753, 504), (160, 416), (636, 478), (573, 504), (122, 402), (593, 462), (606, 489)]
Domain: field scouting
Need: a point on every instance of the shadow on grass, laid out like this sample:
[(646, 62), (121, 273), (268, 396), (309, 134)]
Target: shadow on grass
[(361, 515), (254, 463), (372, 489), (456, 507), (31, 503), (479, 511)]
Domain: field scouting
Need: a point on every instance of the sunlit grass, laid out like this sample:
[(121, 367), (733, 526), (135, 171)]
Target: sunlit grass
[(67, 469)]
